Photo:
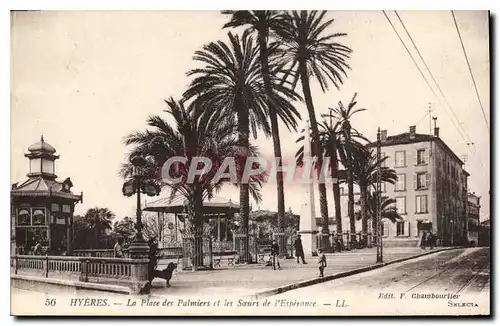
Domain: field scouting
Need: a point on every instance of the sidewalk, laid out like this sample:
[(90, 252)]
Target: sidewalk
[(243, 280)]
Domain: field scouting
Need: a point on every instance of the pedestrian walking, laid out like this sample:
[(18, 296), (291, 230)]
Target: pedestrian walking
[(299, 250), (432, 240), (118, 249), (423, 240), (275, 250), (321, 262)]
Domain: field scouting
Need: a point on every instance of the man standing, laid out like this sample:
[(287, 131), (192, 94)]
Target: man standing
[(275, 250), (299, 250), (118, 248), (153, 259), (37, 249)]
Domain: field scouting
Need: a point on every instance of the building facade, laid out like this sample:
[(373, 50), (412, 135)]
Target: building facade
[(431, 187), (430, 191), (473, 222)]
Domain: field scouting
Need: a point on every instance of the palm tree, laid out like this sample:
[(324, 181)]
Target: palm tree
[(344, 115), (306, 50), (365, 168), (387, 208), (262, 22), (99, 219), (194, 135), (331, 144), (230, 85)]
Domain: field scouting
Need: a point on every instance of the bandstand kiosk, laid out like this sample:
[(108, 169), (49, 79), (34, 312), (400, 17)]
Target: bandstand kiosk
[(42, 207)]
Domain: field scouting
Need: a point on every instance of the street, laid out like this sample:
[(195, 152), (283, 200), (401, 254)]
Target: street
[(454, 271)]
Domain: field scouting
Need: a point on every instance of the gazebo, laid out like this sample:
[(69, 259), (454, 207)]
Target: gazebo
[(217, 207), (42, 207)]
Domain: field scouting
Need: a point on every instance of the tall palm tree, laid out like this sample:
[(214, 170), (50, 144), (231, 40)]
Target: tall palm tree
[(344, 114), (230, 85), (100, 220), (331, 144), (365, 168), (308, 51), (192, 134), (262, 22)]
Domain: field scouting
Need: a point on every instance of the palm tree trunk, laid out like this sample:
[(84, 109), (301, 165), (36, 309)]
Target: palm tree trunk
[(197, 211), (304, 80), (336, 195), (274, 126), (364, 216), (350, 204), (244, 134)]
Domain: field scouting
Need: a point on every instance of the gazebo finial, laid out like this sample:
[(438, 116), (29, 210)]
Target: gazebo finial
[(41, 138)]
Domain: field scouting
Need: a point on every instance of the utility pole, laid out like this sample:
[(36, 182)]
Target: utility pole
[(430, 118), (380, 257)]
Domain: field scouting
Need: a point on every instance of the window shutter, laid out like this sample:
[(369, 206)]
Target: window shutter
[(386, 228), (417, 204), (406, 231), (415, 181), (426, 156), (428, 180)]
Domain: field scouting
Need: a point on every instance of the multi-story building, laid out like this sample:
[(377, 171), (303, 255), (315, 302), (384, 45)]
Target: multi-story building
[(431, 188), (473, 224), (430, 192)]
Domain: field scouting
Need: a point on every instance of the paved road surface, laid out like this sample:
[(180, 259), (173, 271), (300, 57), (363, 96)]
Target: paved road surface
[(460, 270), (249, 279)]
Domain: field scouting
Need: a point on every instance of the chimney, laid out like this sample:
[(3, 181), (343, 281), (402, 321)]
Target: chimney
[(412, 131), (383, 135), (436, 131)]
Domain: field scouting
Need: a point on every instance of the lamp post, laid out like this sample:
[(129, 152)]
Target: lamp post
[(137, 185), (380, 257)]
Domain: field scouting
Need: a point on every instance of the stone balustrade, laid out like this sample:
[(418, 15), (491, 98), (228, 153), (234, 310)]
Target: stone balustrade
[(118, 271)]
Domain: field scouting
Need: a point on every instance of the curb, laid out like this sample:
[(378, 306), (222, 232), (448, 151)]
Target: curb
[(318, 280)]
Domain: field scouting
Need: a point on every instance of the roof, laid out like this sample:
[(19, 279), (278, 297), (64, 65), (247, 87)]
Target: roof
[(42, 146), (404, 138), (269, 215), (177, 206), (39, 186)]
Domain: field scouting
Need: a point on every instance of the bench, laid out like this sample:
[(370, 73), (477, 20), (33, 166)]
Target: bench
[(262, 252), (230, 256)]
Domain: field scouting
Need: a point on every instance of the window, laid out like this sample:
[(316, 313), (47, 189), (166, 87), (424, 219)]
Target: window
[(400, 182), (422, 180), (24, 217), (421, 202), (422, 156), (400, 159), (66, 209), (403, 228), (385, 228), (54, 207), (401, 205), (38, 216)]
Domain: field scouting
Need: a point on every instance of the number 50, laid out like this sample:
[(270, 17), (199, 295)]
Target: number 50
[(50, 302)]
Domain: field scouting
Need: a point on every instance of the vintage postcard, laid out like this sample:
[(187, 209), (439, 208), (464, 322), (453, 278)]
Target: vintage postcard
[(321, 163)]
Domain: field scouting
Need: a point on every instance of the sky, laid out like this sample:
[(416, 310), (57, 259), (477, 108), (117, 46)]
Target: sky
[(87, 79)]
